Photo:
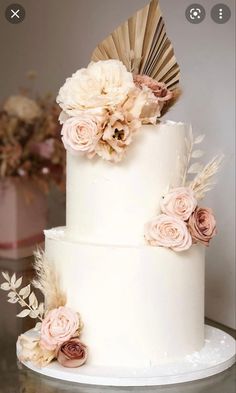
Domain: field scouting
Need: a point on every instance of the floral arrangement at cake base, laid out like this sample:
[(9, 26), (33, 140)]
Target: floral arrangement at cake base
[(31, 159), (56, 335)]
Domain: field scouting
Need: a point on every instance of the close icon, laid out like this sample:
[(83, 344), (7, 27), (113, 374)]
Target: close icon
[(195, 13), (15, 13)]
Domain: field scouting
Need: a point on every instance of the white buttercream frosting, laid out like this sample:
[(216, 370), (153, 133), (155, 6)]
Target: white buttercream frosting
[(141, 306), (129, 294), (110, 203)]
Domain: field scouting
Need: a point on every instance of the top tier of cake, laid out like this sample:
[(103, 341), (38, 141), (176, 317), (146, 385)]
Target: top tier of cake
[(109, 203)]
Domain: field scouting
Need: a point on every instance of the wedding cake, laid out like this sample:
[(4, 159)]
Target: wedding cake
[(141, 305), (123, 281)]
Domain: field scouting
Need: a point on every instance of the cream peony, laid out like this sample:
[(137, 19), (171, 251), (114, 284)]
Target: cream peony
[(135, 102), (81, 133), (59, 325), (101, 85), (22, 107), (31, 351), (168, 231), (202, 225), (179, 202)]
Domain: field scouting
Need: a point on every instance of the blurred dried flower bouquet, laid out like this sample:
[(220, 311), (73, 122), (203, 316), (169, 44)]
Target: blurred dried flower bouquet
[(30, 143)]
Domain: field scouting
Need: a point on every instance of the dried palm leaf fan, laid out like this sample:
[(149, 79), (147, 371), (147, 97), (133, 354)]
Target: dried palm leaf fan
[(142, 45)]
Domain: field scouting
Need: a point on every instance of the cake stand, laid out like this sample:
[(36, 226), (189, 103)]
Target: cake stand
[(217, 355)]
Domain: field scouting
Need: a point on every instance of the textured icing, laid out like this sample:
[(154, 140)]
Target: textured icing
[(109, 203), (140, 305)]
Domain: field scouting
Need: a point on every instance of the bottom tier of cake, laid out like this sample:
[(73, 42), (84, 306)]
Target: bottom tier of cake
[(141, 306)]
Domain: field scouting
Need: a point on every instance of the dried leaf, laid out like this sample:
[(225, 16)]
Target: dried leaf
[(13, 279), (13, 300), (34, 314), (197, 153), (24, 313), (5, 286), (11, 294), (6, 276), (22, 303), (195, 168), (38, 326), (24, 292), (141, 43), (199, 139), (33, 302), (18, 283)]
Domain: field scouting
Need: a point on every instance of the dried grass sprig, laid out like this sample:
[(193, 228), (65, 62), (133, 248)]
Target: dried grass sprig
[(204, 181), (47, 281), (189, 142)]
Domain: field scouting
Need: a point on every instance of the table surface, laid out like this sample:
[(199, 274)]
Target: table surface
[(14, 378)]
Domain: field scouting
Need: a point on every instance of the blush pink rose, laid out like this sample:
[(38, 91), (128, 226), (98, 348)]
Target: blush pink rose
[(179, 202), (168, 231), (159, 89), (59, 325), (202, 225), (81, 133), (72, 353)]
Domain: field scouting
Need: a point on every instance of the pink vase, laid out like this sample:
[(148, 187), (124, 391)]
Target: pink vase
[(23, 217)]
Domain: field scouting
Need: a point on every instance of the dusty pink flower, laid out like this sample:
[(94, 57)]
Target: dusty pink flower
[(202, 225), (44, 149), (59, 325), (168, 231), (72, 353), (157, 95), (179, 202), (81, 133), (159, 89)]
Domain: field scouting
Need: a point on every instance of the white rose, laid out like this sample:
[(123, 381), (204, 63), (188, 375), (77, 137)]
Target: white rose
[(81, 133), (179, 202), (22, 107), (168, 231), (102, 85)]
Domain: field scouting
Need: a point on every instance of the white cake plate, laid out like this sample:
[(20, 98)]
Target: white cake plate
[(217, 355)]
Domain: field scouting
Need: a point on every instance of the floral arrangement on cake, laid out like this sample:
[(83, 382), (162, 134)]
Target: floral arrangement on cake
[(30, 145), (132, 80), (182, 222), (104, 105), (57, 333)]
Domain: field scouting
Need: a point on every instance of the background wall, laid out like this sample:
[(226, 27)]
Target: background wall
[(58, 36)]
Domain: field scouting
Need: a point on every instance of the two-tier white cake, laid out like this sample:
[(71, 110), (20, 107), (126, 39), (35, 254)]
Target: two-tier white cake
[(140, 305), (123, 282)]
